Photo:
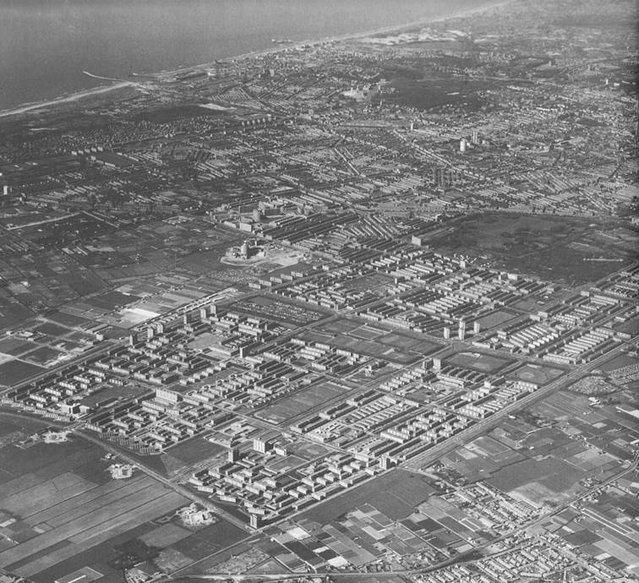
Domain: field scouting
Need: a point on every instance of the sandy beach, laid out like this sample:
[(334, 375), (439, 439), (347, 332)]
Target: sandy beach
[(26, 108), (339, 38), (66, 99)]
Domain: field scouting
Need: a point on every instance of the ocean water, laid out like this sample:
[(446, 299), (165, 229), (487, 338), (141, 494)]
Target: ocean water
[(46, 44)]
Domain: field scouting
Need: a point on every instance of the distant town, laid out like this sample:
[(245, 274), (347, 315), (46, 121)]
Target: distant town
[(352, 310)]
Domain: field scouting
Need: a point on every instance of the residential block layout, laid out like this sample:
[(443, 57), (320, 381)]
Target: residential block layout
[(361, 309)]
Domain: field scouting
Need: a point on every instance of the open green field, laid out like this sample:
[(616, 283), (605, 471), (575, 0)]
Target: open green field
[(495, 319), (366, 333), (12, 313), (434, 91), (43, 355), (341, 326), (395, 494), (14, 372), (64, 504), (111, 300), (165, 535), (535, 373), (402, 341), (527, 244), (630, 326), (388, 344), (51, 329), (16, 346), (195, 450), (478, 361), (552, 473), (488, 447), (315, 336), (68, 320), (619, 362), (301, 401), (375, 349), (209, 540)]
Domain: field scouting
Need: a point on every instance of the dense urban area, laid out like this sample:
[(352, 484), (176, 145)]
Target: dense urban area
[(361, 309)]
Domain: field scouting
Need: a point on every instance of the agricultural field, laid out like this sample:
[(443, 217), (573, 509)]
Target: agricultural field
[(59, 504)]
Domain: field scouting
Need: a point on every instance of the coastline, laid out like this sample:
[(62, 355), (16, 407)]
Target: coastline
[(398, 28), (27, 107), (33, 106)]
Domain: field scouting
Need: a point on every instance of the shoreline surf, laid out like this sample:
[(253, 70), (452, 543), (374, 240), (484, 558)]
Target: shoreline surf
[(160, 75)]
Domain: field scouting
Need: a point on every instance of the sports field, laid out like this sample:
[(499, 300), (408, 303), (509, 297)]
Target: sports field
[(538, 374), (479, 361), (301, 401)]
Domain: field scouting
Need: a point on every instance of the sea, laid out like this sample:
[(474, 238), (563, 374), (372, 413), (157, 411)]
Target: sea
[(46, 44)]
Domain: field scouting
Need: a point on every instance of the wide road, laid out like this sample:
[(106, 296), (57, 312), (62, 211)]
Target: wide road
[(484, 425), (358, 575)]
